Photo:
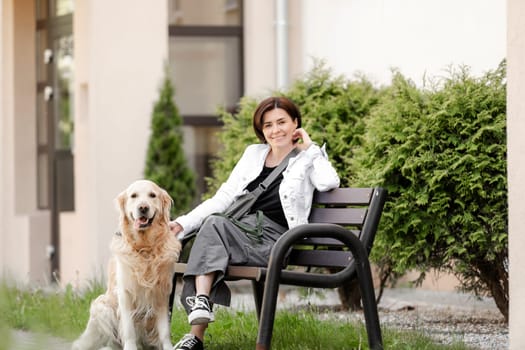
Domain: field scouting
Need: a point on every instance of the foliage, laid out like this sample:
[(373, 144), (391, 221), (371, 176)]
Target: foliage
[(441, 154), (332, 111), (166, 164)]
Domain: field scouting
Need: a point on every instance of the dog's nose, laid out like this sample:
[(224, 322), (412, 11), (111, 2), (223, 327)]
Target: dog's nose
[(143, 209)]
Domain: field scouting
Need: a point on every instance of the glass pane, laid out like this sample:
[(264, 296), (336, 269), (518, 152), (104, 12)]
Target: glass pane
[(201, 145), (43, 183), (62, 7), (41, 9), (206, 73), (63, 92), (41, 46), (205, 12), (42, 120)]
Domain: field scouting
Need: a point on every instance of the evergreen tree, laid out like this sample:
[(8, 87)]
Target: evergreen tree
[(166, 163)]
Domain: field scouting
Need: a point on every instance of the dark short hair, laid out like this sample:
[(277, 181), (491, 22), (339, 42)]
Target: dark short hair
[(269, 104)]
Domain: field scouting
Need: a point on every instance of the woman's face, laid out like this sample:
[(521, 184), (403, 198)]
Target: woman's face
[(278, 128)]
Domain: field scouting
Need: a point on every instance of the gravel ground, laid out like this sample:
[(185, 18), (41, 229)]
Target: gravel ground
[(444, 316)]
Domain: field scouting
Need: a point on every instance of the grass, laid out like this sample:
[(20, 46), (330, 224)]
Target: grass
[(65, 313)]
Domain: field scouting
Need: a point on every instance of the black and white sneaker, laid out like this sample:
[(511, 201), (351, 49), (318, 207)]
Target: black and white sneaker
[(189, 342), (201, 310)]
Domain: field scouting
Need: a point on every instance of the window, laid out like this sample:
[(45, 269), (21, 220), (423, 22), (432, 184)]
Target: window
[(206, 62)]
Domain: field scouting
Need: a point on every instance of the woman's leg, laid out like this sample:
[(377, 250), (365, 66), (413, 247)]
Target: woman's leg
[(201, 308), (218, 244), (195, 339), (203, 283)]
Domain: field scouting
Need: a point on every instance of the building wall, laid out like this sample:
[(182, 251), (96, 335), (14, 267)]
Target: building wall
[(418, 37), (4, 25), (120, 60), (23, 240), (118, 70), (516, 168)]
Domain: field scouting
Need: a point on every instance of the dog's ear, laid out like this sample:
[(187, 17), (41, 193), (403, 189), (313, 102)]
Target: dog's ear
[(120, 204), (167, 202)]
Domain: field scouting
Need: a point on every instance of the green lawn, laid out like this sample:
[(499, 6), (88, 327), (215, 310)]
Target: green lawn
[(64, 314)]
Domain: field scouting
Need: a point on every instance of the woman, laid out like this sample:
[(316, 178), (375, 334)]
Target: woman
[(285, 204)]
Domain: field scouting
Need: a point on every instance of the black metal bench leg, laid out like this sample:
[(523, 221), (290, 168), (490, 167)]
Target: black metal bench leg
[(258, 291), (172, 297), (366, 286), (267, 315)]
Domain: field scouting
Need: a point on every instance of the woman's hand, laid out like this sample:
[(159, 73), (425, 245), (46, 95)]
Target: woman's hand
[(301, 134), (175, 227)]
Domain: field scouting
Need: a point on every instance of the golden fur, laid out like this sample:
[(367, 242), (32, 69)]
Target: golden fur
[(133, 312)]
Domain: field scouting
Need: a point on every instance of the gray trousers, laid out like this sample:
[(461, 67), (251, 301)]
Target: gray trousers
[(220, 243)]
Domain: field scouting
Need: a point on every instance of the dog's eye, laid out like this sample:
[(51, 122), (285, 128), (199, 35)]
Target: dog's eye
[(152, 195), (133, 195)]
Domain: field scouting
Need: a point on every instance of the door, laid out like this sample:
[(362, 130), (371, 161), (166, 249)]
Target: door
[(55, 116)]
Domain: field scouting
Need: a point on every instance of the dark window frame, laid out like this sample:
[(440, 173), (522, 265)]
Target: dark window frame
[(228, 31)]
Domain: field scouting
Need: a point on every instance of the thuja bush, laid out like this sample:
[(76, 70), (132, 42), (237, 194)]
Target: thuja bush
[(332, 109), (166, 163), (441, 154)]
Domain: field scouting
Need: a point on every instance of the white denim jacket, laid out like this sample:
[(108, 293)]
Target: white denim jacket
[(308, 171)]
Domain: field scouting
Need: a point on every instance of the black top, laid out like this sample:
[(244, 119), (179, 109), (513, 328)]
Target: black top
[(269, 202)]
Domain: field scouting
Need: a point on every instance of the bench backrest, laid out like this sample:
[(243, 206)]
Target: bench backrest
[(356, 209)]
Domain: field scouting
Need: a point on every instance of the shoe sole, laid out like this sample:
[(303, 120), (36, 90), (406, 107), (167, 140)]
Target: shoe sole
[(199, 317)]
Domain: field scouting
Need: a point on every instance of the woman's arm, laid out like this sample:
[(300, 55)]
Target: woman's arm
[(323, 175), (223, 198)]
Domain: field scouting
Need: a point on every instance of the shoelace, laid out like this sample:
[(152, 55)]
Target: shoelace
[(187, 341), (196, 302)]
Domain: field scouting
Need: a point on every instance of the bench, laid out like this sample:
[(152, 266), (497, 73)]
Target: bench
[(339, 237)]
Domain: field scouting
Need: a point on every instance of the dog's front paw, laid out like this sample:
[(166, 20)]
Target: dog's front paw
[(167, 345), (130, 345), (76, 345)]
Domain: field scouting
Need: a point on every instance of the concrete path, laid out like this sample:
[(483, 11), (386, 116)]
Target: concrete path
[(29, 341)]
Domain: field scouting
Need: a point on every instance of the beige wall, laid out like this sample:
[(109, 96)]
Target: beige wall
[(516, 168), (119, 57), (418, 37), (4, 24), (260, 45), (259, 48), (120, 54), (23, 240)]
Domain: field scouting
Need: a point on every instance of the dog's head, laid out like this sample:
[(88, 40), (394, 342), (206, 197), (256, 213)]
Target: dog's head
[(142, 203)]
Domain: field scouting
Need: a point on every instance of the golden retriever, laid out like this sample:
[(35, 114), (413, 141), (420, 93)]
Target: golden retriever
[(133, 312)]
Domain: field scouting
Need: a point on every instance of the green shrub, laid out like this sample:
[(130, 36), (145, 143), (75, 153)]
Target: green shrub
[(441, 154), (165, 160)]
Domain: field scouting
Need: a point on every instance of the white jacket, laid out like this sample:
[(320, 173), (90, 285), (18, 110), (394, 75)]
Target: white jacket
[(306, 172)]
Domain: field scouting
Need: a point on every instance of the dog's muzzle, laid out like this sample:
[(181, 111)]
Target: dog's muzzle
[(143, 221)]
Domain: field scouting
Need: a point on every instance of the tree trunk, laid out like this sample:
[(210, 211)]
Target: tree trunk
[(350, 295)]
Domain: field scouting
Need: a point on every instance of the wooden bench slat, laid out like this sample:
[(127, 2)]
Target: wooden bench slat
[(347, 196), (329, 242), (243, 272), (340, 216), (319, 258), (233, 272)]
